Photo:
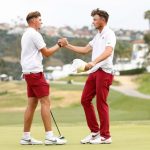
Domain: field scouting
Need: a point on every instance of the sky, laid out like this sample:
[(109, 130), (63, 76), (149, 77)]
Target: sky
[(126, 14)]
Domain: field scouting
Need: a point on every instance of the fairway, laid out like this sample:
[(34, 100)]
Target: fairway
[(130, 119), (125, 137), (75, 75)]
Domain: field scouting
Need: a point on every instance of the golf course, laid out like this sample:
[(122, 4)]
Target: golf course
[(130, 119), (74, 75)]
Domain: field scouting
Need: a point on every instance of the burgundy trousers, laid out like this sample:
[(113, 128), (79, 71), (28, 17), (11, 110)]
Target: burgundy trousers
[(97, 84)]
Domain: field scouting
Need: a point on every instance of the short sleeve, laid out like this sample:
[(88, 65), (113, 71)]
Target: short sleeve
[(111, 40), (91, 43), (38, 41)]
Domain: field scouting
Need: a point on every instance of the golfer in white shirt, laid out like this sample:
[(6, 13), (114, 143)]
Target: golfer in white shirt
[(33, 50), (99, 79)]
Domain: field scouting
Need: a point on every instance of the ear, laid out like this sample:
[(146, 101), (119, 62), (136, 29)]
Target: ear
[(33, 20)]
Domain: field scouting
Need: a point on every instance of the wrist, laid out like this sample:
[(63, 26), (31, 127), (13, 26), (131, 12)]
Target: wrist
[(59, 45), (67, 46), (93, 63)]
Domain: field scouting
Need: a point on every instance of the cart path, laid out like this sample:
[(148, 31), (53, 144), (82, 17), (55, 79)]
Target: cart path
[(128, 87)]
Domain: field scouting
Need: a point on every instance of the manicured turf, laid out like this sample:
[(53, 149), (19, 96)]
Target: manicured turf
[(143, 82), (80, 78), (130, 120), (125, 137), (122, 108)]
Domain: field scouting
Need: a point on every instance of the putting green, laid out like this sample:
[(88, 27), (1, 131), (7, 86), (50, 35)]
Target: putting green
[(126, 136)]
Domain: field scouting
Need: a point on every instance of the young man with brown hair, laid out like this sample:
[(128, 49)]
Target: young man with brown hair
[(33, 47), (99, 79)]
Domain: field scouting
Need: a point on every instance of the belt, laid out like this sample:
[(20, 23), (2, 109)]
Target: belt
[(100, 68), (25, 73), (110, 72)]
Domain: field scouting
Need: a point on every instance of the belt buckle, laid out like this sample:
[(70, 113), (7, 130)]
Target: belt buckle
[(26, 73), (31, 73)]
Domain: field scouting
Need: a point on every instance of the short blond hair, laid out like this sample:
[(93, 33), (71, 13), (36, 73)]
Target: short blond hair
[(32, 15)]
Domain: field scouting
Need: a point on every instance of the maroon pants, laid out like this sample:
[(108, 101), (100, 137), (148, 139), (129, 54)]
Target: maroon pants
[(97, 84)]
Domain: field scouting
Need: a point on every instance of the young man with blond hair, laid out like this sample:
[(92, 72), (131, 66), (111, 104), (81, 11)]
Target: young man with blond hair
[(33, 50)]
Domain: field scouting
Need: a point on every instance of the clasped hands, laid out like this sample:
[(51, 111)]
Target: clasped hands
[(63, 42)]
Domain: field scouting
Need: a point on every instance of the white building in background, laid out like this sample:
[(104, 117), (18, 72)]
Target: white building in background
[(17, 30), (5, 77), (58, 72), (148, 69), (50, 31), (138, 58), (139, 52), (5, 26), (64, 72)]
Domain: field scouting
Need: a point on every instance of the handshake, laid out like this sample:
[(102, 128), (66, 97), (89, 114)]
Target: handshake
[(78, 65), (63, 42)]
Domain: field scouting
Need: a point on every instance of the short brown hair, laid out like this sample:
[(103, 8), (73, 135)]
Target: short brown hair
[(31, 15), (101, 13)]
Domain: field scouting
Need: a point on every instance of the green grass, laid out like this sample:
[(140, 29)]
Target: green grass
[(76, 78), (125, 137), (122, 108), (66, 87), (13, 94), (12, 99), (81, 78), (130, 120), (128, 108), (143, 82)]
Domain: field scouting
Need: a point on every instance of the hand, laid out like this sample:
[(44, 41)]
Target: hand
[(89, 66), (63, 42)]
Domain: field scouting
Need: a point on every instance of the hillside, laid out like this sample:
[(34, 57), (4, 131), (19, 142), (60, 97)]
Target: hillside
[(10, 49)]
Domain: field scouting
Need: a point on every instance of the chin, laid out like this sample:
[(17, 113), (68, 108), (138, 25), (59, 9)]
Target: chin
[(97, 28)]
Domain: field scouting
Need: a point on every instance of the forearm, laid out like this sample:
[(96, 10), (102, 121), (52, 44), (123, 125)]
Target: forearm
[(53, 49), (103, 56), (78, 49), (50, 51)]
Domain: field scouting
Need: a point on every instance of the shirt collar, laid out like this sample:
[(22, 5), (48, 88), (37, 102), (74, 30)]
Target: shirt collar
[(104, 30), (31, 28)]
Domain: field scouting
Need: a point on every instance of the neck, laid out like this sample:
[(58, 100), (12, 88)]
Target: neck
[(33, 26), (101, 28)]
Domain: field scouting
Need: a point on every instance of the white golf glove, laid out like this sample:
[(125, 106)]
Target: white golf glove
[(78, 65)]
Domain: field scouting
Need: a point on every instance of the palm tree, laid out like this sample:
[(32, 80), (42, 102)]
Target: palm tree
[(147, 16)]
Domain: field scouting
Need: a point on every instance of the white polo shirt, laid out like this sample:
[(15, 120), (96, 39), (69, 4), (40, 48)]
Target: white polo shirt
[(99, 43), (31, 57)]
